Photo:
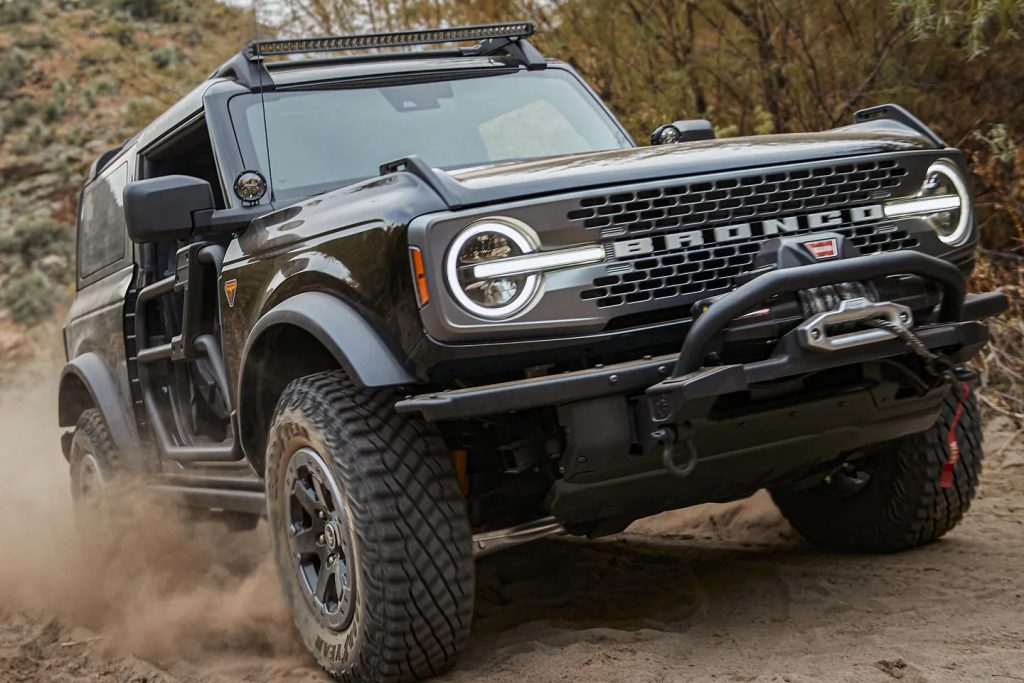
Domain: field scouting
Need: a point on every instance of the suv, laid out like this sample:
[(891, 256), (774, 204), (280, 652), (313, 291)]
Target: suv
[(419, 306)]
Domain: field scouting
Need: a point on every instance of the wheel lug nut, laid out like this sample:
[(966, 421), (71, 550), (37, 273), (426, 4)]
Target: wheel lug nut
[(320, 538), (321, 514)]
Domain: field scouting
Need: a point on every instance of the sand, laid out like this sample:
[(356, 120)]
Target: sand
[(719, 593)]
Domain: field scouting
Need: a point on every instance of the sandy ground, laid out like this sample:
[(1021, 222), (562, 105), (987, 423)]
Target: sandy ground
[(721, 593)]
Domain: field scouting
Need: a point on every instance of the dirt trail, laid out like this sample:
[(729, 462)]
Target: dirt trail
[(717, 593)]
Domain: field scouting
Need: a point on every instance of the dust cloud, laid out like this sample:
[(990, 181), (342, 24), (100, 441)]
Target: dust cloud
[(723, 592), (155, 584)]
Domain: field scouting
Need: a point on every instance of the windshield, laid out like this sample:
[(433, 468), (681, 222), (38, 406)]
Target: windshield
[(325, 138)]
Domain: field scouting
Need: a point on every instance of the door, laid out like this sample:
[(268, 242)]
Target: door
[(181, 365), (105, 267)]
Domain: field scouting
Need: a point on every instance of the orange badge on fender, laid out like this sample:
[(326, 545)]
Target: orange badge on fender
[(230, 287)]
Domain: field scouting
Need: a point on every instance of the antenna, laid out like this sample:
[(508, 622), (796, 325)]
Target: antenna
[(263, 103)]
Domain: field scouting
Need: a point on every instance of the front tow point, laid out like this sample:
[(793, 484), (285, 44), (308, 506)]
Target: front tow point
[(820, 333), (668, 437)]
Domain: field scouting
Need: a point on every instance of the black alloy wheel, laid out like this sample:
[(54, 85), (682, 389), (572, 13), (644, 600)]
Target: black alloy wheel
[(320, 538)]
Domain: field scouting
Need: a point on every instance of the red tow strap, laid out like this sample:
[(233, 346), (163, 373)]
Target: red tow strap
[(946, 478)]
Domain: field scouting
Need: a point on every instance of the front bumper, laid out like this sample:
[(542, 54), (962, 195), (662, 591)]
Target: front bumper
[(779, 428)]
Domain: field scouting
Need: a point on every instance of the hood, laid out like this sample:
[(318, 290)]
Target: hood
[(548, 175)]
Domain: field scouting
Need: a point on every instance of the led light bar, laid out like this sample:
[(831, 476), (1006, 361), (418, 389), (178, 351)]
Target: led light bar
[(924, 205), (535, 263), (267, 48)]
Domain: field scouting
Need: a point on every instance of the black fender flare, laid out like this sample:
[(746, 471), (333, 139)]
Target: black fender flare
[(340, 328), (87, 382)]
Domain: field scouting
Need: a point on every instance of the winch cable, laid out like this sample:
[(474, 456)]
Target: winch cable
[(938, 366)]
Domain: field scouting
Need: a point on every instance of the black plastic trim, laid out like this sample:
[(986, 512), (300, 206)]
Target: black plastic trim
[(357, 347), (539, 391), (251, 502), (415, 165), (895, 112), (636, 376), (985, 305), (92, 372)]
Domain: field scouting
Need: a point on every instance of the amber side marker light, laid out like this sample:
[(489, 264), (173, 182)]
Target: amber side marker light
[(422, 293), (460, 463)]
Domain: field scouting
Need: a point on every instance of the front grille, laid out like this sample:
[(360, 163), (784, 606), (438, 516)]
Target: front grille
[(697, 271)]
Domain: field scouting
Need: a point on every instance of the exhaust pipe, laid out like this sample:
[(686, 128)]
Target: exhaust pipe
[(501, 539)]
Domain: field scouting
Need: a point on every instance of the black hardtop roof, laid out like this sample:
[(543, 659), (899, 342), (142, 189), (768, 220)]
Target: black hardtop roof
[(500, 46)]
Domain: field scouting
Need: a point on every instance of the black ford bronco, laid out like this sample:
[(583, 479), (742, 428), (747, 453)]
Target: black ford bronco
[(418, 306)]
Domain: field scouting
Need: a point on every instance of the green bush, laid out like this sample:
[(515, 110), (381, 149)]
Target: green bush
[(105, 87), (166, 56), (30, 297), (13, 64), (44, 39), (16, 11), (38, 134), (20, 112), (122, 32), (164, 10), (53, 109), (139, 111), (33, 238)]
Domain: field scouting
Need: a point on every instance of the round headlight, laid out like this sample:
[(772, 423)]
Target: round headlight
[(491, 240), (943, 179)]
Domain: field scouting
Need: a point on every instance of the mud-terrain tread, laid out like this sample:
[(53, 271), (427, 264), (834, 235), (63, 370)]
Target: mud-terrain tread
[(91, 425), (412, 533), (903, 504)]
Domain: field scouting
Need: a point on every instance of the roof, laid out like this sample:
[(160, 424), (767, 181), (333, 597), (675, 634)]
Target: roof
[(500, 46)]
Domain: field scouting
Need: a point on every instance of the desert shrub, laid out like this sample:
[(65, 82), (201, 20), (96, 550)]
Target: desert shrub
[(163, 10), (52, 109), (16, 11), (33, 238), (29, 296), (38, 134), (139, 111), (43, 40), (166, 56), (19, 113), (12, 70), (122, 32), (106, 87)]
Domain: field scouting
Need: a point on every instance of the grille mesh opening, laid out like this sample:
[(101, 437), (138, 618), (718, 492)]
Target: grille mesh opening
[(697, 271)]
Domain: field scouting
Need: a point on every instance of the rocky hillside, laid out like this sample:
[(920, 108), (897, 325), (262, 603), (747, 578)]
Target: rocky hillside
[(78, 77)]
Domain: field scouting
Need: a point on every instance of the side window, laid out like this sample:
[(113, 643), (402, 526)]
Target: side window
[(102, 232)]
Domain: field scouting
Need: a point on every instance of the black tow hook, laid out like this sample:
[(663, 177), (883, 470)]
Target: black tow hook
[(668, 438)]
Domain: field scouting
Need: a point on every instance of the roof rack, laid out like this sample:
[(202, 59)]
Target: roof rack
[(249, 68)]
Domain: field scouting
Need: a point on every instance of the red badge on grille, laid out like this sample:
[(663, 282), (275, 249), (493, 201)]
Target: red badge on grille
[(823, 249)]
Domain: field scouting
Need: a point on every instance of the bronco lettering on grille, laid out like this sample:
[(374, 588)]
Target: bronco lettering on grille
[(768, 228)]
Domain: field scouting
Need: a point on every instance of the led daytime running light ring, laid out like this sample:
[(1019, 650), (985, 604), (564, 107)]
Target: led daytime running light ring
[(922, 205), (518, 233)]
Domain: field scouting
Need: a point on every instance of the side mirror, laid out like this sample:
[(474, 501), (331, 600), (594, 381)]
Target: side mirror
[(164, 208), (683, 131)]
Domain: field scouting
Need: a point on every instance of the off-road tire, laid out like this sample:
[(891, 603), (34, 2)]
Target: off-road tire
[(91, 439), (902, 504), (409, 532)]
